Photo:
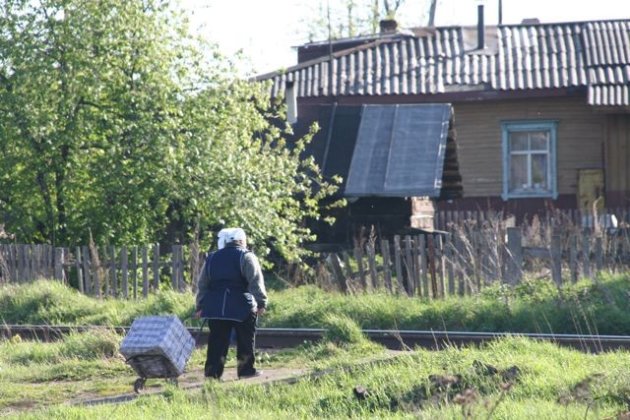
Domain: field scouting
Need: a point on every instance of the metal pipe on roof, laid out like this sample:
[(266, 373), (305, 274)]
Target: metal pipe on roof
[(481, 43)]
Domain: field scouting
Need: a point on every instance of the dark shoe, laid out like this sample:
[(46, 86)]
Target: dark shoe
[(250, 375)]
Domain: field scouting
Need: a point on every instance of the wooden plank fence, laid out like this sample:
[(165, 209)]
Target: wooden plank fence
[(472, 255), (127, 272), (465, 261)]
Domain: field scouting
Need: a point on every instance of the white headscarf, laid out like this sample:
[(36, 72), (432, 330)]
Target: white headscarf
[(228, 235)]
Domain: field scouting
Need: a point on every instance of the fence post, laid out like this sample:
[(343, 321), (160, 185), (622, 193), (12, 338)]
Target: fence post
[(398, 264), (599, 257), (431, 259), (556, 259), (371, 255), (335, 266), (21, 263), (79, 266), (347, 266), (358, 255), (386, 264), (113, 272), (145, 272), (421, 273), (58, 264), (174, 267), (106, 270), (87, 275), (448, 253), (586, 254), (124, 268), (573, 258), (134, 271), (410, 267), (516, 256), (156, 266)]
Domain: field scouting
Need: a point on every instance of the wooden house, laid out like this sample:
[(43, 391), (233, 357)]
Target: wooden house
[(541, 111)]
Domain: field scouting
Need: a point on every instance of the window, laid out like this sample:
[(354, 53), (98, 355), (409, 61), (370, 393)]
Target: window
[(529, 159)]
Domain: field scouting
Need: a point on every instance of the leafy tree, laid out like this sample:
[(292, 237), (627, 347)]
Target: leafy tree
[(350, 18), (115, 121)]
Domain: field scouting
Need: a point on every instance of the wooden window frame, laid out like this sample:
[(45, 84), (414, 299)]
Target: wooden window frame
[(508, 127)]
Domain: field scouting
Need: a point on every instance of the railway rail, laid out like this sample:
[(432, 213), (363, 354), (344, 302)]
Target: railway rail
[(393, 339)]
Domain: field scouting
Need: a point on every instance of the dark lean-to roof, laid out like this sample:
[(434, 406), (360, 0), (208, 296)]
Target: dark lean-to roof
[(593, 55), (388, 150), (399, 151)]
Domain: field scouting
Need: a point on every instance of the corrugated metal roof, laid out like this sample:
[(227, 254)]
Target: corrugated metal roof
[(595, 55), (399, 151)]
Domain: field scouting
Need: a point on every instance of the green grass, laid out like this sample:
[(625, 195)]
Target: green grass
[(534, 306), (87, 365), (553, 383)]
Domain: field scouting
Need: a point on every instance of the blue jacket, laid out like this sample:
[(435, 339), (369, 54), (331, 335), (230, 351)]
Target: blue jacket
[(227, 295)]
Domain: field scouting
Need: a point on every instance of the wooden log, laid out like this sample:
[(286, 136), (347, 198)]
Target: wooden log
[(556, 259), (145, 272), (156, 266), (124, 271), (398, 265), (387, 274)]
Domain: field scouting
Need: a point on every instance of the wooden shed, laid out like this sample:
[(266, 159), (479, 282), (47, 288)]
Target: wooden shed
[(396, 161)]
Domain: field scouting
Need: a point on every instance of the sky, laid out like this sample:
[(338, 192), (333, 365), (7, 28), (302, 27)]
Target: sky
[(266, 30)]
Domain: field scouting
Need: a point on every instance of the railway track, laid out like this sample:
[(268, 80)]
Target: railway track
[(393, 339)]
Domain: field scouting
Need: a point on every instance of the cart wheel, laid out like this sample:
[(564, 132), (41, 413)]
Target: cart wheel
[(172, 381), (138, 385)]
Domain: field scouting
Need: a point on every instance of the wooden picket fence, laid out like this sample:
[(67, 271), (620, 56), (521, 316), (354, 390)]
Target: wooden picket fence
[(474, 252), (468, 258), (103, 271)]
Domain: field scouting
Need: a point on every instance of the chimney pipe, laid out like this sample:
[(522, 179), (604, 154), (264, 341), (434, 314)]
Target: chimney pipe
[(500, 12), (481, 44), (388, 26)]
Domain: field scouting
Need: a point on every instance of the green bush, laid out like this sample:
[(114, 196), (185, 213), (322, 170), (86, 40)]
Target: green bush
[(341, 329)]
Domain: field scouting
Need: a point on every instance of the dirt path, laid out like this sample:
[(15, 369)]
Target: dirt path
[(195, 380)]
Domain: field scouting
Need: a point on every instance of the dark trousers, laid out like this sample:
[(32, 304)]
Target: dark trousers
[(219, 342)]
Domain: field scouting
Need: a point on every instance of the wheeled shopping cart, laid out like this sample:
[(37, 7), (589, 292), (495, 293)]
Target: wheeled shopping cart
[(157, 347)]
